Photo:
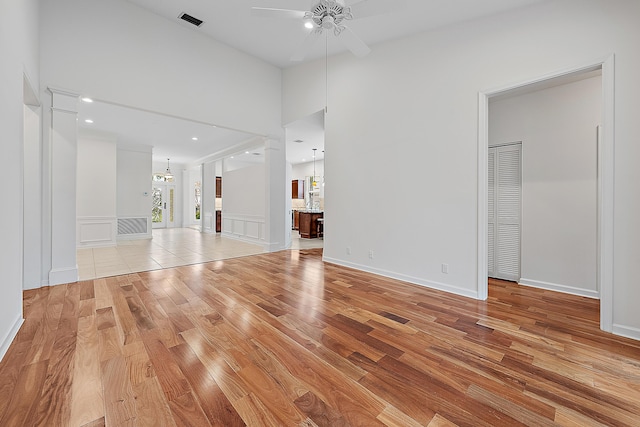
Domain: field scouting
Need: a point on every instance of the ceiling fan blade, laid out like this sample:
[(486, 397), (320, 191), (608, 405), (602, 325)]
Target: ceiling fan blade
[(268, 12), (308, 42), (365, 8), (353, 42)]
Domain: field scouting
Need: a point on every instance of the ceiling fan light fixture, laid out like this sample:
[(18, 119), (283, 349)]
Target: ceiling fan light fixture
[(308, 24)]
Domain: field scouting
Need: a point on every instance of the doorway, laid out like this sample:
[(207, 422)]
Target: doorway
[(605, 174), (163, 205)]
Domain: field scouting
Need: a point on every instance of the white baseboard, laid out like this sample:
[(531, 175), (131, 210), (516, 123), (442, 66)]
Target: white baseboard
[(405, 278), (4, 346), (560, 288), (626, 331), (60, 276)]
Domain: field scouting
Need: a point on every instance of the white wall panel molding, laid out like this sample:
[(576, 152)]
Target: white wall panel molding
[(208, 224), (249, 228), (94, 232)]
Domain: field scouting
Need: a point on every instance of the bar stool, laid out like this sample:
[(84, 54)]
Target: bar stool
[(320, 227)]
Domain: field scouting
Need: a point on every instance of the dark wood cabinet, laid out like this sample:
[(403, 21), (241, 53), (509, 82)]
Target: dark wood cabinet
[(218, 221), (218, 186), (296, 220), (297, 189), (309, 224)]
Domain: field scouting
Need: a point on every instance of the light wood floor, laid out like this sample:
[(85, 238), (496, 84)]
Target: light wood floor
[(283, 339)]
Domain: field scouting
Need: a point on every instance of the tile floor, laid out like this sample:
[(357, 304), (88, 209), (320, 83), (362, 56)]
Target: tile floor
[(169, 247)]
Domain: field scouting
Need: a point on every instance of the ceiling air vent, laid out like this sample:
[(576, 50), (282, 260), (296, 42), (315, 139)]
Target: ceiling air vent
[(190, 19)]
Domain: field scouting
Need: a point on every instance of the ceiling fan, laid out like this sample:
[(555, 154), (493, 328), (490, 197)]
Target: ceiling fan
[(330, 15)]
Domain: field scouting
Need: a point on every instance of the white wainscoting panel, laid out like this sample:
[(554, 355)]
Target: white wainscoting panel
[(208, 223), (244, 227), (95, 232)]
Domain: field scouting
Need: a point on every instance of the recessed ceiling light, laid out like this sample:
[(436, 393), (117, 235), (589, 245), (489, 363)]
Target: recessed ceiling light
[(195, 138), (87, 100), (304, 160), (88, 121), (246, 152), (232, 157)]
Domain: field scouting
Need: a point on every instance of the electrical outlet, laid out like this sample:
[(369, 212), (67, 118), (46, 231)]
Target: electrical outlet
[(370, 253), (348, 250), (445, 268)]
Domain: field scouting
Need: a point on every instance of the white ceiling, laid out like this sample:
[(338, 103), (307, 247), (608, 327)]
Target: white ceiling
[(273, 40), (171, 137)]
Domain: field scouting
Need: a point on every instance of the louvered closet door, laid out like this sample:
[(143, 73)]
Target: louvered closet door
[(505, 195)]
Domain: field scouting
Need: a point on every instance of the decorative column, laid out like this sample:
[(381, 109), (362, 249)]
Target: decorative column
[(275, 190), (63, 159)]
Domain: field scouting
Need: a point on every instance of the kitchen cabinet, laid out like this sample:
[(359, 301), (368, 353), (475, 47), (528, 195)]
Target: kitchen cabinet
[(309, 224), (297, 189), (218, 186), (296, 220)]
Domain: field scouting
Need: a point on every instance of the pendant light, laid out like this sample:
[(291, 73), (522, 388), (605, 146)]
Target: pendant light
[(313, 181), (167, 173)]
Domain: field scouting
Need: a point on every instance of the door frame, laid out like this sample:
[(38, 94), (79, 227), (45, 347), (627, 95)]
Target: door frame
[(165, 187), (605, 182)]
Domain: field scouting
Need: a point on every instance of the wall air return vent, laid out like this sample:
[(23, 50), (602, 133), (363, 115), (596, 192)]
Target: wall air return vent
[(190, 19), (132, 226)]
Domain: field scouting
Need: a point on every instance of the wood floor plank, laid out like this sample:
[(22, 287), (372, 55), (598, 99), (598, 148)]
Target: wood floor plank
[(54, 407), (86, 389), (26, 394), (216, 406), (171, 379), (151, 408), (119, 398), (285, 339)]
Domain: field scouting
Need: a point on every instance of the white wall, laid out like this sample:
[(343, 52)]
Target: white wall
[(557, 127), (134, 185), (96, 190), (19, 50), (411, 108), (243, 208), (32, 198), (119, 52)]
